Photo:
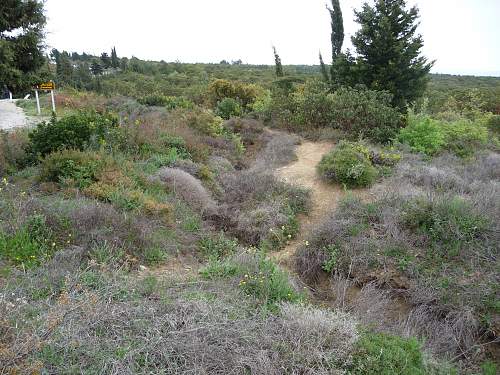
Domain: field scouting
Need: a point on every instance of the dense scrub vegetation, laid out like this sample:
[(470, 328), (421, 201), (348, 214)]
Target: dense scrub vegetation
[(139, 226)]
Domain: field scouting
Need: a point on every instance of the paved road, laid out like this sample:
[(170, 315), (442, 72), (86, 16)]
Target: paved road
[(11, 116)]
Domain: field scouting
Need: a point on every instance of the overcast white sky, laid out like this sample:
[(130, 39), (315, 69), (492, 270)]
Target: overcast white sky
[(462, 35)]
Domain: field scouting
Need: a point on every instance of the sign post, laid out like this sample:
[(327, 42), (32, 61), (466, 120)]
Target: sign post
[(46, 86), (53, 101), (37, 102)]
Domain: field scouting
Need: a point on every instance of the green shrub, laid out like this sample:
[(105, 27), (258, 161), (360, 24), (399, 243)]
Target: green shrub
[(464, 137), (76, 131), (246, 94), (205, 122), (348, 164), (493, 124), (73, 167), (450, 223), (170, 102), (357, 112), (227, 108), (383, 354), (423, 134)]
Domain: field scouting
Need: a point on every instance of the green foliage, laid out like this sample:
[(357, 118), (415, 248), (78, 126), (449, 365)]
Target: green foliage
[(30, 245), (268, 283), (245, 94), (489, 368), (72, 167), (358, 112), (448, 223), (378, 353), (218, 247), (348, 164), (464, 137), (423, 134), (21, 44), (206, 122), (337, 23), (77, 131), (227, 108), (333, 252), (389, 51), (170, 102), (493, 124), (277, 63)]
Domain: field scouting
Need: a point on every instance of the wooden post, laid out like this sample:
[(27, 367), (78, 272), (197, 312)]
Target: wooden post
[(37, 102), (53, 101), (10, 95)]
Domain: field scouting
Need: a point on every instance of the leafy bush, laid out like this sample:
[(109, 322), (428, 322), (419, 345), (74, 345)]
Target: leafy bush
[(12, 150), (348, 164), (246, 94), (227, 108), (79, 168), (464, 137), (429, 136), (423, 134), (357, 112), (493, 124), (451, 223), (383, 354), (76, 131), (170, 102), (205, 122)]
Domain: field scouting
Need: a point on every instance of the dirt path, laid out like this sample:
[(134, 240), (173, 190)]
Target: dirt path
[(324, 196), (11, 116)]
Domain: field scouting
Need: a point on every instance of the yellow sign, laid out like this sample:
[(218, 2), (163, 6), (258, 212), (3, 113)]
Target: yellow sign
[(46, 86)]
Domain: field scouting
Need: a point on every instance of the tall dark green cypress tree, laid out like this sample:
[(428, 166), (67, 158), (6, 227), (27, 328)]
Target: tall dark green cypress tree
[(389, 51), (115, 61), (337, 23), (324, 70), (277, 62)]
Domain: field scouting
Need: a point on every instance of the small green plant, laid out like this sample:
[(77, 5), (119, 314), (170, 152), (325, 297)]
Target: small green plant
[(348, 164), (423, 134), (218, 247), (154, 255), (30, 245), (333, 253), (227, 108), (220, 269), (378, 353), (268, 284), (489, 368)]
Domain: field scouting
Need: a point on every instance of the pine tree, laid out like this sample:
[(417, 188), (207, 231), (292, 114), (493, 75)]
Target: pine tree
[(277, 61), (337, 23), (21, 43), (96, 68), (388, 50), (64, 68), (324, 70), (115, 61), (106, 61)]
